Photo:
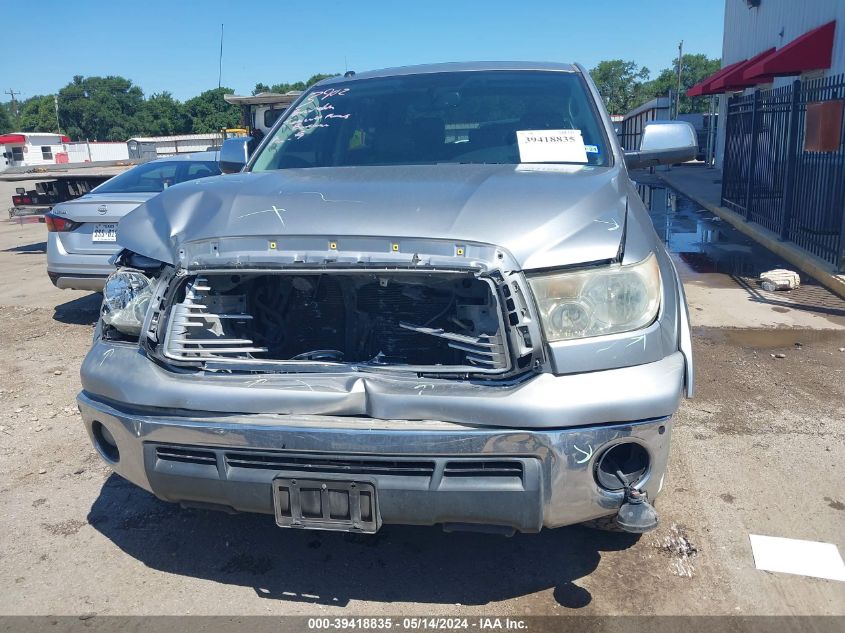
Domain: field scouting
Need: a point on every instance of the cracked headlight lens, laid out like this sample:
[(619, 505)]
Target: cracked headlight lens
[(598, 301), (126, 297)]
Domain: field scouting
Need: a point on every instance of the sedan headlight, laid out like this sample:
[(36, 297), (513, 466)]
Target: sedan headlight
[(598, 301), (126, 297)]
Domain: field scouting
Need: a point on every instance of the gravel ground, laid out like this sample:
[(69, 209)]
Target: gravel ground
[(760, 450)]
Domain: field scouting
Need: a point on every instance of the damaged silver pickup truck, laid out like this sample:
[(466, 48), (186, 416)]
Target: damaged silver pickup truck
[(431, 295)]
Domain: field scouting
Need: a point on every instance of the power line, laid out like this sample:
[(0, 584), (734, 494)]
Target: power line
[(678, 94), (220, 62), (12, 94), (56, 104)]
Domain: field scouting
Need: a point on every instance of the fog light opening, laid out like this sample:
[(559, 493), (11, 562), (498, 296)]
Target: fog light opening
[(106, 444), (628, 459)]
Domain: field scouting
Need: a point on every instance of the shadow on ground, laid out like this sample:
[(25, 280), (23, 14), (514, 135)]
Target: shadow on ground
[(28, 249), (808, 297), (80, 311), (399, 564)]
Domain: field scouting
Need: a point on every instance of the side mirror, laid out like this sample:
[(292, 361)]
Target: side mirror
[(664, 143), (234, 153)]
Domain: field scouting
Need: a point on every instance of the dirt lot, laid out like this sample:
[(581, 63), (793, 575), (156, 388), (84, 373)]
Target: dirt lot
[(760, 450)]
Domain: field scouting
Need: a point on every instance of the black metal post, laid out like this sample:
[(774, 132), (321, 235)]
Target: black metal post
[(792, 160), (726, 157), (752, 160), (840, 256)]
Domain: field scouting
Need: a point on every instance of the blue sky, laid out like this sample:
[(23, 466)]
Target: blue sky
[(174, 45)]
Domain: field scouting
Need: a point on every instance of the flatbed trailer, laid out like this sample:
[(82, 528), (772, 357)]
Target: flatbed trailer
[(57, 183)]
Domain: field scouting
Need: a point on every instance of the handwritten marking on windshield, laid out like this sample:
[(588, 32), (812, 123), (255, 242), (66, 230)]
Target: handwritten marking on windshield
[(328, 92), (311, 114)]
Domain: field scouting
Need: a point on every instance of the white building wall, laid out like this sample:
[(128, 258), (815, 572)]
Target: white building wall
[(83, 152), (32, 149), (750, 31), (777, 22)]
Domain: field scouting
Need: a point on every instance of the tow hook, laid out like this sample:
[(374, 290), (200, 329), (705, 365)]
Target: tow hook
[(636, 515)]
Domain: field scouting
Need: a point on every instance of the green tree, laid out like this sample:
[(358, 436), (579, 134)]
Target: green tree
[(162, 115), (5, 118), (287, 87), (208, 111), (620, 84), (100, 108), (695, 68), (113, 109), (37, 114)]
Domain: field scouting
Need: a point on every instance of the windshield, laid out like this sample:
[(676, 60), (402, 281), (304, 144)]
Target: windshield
[(506, 117), (157, 176)]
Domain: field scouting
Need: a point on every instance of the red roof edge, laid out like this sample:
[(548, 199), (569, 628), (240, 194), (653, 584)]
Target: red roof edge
[(735, 79), (811, 51), (703, 86), (12, 138)]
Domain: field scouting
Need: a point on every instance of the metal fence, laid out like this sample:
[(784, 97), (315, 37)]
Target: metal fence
[(630, 129), (770, 177)]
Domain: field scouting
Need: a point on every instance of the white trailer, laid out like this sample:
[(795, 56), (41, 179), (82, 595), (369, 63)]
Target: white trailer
[(146, 148), (25, 149)]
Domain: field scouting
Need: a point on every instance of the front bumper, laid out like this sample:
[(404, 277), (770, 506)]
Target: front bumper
[(554, 484)]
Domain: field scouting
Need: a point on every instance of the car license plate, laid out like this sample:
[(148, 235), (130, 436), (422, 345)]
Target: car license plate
[(326, 504), (105, 233)]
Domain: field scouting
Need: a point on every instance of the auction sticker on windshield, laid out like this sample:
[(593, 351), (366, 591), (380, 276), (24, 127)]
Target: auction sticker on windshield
[(104, 233), (551, 146)]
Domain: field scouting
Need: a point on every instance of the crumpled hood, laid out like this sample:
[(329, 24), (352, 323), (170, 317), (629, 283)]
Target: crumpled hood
[(543, 215)]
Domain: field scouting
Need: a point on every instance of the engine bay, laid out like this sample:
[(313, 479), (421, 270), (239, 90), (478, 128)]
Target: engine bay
[(418, 321)]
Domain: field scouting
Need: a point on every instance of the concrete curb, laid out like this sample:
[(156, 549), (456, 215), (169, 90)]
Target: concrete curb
[(806, 262)]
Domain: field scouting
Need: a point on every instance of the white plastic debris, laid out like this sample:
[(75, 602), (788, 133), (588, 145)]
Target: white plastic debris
[(779, 279), (793, 556)]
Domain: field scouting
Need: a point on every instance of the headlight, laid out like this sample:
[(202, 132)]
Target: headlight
[(599, 301), (126, 298)]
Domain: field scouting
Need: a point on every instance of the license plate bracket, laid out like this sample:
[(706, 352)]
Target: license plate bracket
[(346, 505), (106, 232)]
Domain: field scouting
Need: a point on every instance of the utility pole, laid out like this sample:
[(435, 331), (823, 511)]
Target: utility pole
[(56, 104), (12, 94), (680, 65), (220, 62)]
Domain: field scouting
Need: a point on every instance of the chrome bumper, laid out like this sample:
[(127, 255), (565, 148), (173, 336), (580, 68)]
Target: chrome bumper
[(557, 486)]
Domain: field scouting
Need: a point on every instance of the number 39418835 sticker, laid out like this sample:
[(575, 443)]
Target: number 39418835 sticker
[(551, 146)]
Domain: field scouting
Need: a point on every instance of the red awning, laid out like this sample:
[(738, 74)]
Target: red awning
[(703, 87), (735, 80), (811, 51)]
